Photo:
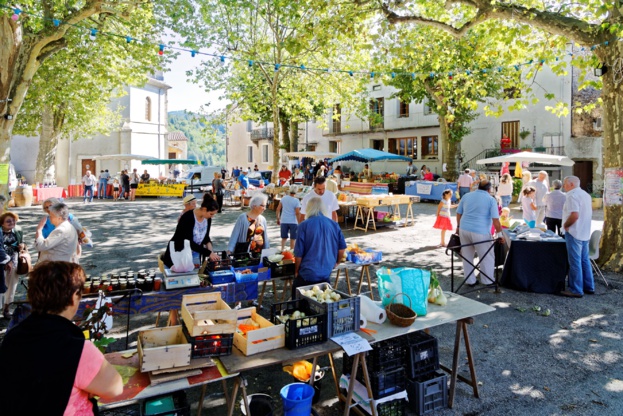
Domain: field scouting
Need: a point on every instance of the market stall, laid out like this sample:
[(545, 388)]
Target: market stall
[(156, 188), (430, 190), (366, 188), (368, 216), (41, 194)]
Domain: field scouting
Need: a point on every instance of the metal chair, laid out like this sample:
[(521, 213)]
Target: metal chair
[(593, 253)]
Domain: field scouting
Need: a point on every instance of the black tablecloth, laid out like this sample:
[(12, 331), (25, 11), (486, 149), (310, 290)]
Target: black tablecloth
[(536, 266)]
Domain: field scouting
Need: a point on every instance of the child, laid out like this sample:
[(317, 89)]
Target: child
[(115, 187), (505, 217), (443, 215), (528, 206)]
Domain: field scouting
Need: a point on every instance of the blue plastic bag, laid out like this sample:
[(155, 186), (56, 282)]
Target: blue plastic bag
[(412, 282)]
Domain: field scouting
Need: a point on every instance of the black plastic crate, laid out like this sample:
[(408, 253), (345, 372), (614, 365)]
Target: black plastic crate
[(422, 354), (279, 270), (383, 383), (180, 405), (209, 345), (396, 407), (245, 259), (301, 332), (343, 315), (386, 355), (223, 264), (428, 393)]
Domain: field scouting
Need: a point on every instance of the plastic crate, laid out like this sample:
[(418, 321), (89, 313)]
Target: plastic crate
[(383, 383), (396, 407), (223, 264), (422, 354), (279, 270), (260, 273), (222, 276), (371, 257), (386, 355), (209, 345), (245, 259), (301, 332), (428, 393), (343, 315), (166, 405)]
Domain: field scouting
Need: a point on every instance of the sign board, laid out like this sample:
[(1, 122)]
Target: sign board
[(424, 188), (156, 189), (613, 186)]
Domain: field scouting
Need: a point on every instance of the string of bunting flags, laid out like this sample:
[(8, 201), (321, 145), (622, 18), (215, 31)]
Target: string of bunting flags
[(160, 47)]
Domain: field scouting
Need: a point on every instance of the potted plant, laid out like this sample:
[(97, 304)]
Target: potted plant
[(597, 197), (524, 133)]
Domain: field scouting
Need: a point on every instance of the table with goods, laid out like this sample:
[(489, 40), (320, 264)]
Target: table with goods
[(367, 215), (529, 247), (430, 190)]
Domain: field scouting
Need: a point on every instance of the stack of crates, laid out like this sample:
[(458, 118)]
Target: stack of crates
[(427, 387)]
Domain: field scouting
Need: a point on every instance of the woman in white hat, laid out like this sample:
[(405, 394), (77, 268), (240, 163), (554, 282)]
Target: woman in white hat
[(190, 203)]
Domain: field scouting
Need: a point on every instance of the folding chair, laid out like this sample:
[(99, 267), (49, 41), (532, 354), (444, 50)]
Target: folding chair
[(593, 253)]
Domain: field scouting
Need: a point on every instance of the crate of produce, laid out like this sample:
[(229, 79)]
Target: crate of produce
[(300, 330), (256, 334), (421, 353), (245, 259), (343, 311), (208, 314), (251, 273), (209, 345), (428, 393), (365, 256), (224, 263), (396, 407), (284, 268), (166, 405), (163, 348), (220, 277)]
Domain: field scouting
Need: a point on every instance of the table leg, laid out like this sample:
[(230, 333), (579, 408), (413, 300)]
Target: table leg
[(369, 282), (363, 271), (287, 284), (348, 281), (234, 393), (461, 327), (357, 359), (225, 392), (261, 297), (337, 278), (336, 380), (357, 217), (174, 318), (201, 397), (157, 319), (409, 214)]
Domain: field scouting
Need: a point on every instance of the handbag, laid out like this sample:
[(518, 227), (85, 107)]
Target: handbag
[(455, 243), (24, 262)]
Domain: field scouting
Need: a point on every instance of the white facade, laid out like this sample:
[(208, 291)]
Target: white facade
[(143, 132)]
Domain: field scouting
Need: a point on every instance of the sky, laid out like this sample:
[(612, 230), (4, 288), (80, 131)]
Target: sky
[(184, 95)]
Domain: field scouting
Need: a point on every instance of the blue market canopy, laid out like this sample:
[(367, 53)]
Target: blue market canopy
[(368, 155), (171, 162)]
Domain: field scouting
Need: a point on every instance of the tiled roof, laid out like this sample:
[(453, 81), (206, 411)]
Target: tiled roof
[(176, 136)]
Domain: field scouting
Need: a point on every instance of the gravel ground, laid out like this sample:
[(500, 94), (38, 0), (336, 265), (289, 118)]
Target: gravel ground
[(569, 362)]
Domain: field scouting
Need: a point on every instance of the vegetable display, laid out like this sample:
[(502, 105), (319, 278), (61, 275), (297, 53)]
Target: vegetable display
[(435, 294), (326, 296)]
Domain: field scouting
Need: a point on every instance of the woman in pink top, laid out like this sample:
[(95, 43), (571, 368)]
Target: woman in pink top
[(46, 365)]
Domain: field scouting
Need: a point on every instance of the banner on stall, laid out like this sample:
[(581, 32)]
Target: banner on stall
[(613, 186), (424, 189), (156, 189)]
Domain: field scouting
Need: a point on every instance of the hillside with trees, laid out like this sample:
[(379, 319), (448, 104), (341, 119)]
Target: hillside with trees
[(206, 141)]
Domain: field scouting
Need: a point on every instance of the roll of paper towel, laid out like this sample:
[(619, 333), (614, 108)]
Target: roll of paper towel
[(363, 322), (372, 311)]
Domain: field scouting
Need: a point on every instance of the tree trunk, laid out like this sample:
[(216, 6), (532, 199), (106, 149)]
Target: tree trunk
[(449, 151), (285, 133), (611, 251), (51, 125), (276, 135), (294, 136)]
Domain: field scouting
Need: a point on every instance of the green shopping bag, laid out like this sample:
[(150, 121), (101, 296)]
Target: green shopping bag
[(410, 281)]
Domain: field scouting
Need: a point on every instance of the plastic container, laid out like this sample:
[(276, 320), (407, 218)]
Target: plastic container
[(245, 259), (383, 383), (209, 345), (222, 276), (279, 270), (301, 332), (223, 264), (246, 277), (260, 404), (422, 354), (386, 355), (369, 258), (428, 393), (170, 404), (343, 316), (297, 399), (396, 407)]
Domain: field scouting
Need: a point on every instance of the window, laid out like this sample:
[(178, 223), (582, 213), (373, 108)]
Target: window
[(403, 109), (264, 153), (334, 146), (337, 119), (250, 154), (427, 108), (510, 129), (430, 146), (249, 126), (377, 112), (148, 109), (377, 144), (404, 147)]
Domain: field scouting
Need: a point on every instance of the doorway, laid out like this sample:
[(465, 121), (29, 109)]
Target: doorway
[(88, 164), (377, 144), (583, 169)]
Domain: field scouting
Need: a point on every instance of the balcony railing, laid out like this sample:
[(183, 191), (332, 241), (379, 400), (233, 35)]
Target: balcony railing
[(266, 133)]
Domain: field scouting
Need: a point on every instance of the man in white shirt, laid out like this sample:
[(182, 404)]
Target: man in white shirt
[(464, 183), (577, 214), (328, 198), (89, 181), (541, 190)]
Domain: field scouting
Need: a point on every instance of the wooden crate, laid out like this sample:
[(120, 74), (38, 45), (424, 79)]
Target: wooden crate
[(369, 202), (162, 348), (207, 314), (267, 337)]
